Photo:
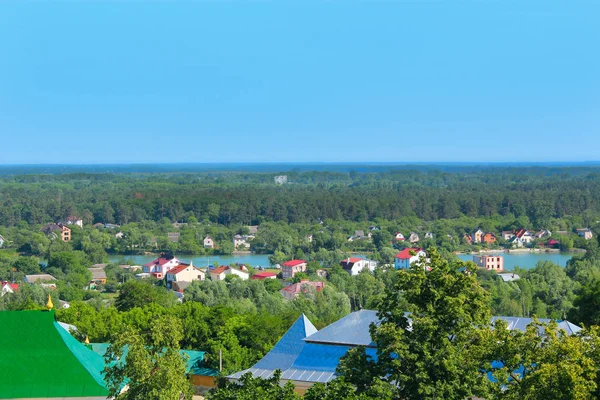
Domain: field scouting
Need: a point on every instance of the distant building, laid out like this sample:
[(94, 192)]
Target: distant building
[(261, 276), (516, 242), (428, 235), (467, 238), (220, 273), (209, 243), (491, 262), (304, 286), (399, 237), (173, 237), (507, 235), (39, 278), (544, 233), (477, 236), (585, 233), (98, 276), (355, 265), (159, 267), (509, 276), (488, 238), (2, 240), (58, 230), (72, 220), (281, 179), (184, 273), (525, 236), (292, 267), (7, 287), (252, 229), (552, 244), (413, 238), (240, 241), (309, 238), (406, 257)]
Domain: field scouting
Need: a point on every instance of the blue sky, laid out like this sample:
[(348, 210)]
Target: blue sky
[(268, 81)]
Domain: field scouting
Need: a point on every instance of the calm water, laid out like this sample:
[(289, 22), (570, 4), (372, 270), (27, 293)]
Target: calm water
[(527, 260)]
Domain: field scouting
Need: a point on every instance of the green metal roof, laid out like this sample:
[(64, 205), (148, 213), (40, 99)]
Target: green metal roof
[(39, 359)]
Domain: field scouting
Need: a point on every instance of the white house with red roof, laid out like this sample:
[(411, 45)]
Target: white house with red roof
[(406, 257), (184, 273), (220, 273), (159, 267), (355, 265), (304, 286), (261, 276), (292, 267), (399, 237), (8, 287)]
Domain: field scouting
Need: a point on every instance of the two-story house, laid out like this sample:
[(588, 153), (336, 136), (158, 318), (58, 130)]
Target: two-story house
[(159, 267), (239, 242), (292, 267), (525, 235), (355, 265), (488, 238), (477, 236), (209, 243), (585, 233), (406, 257), (58, 230), (183, 273), (491, 262)]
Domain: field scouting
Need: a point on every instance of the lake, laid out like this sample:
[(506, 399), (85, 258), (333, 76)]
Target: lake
[(511, 260), (527, 260)]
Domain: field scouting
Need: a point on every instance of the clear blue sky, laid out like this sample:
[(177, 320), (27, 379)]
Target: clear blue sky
[(253, 81)]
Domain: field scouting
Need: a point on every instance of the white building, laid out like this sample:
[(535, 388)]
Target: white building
[(355, 265), (184, 273), (281, 179), (220, 273), (159, 267), (209, 243)]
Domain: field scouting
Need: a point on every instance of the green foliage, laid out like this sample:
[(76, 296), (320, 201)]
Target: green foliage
[(250, 388), (153, 367), (137, 293)]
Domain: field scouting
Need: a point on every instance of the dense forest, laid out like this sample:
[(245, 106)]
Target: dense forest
[(251, 198)]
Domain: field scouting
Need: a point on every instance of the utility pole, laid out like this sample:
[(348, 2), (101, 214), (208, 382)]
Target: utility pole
[(220, 359)]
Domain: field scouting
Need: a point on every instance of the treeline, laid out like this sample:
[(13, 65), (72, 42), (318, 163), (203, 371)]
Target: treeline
[(252, 198)]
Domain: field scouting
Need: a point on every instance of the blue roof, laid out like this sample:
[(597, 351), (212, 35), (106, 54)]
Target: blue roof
[(351, 330), (521, 323), (285, 352)]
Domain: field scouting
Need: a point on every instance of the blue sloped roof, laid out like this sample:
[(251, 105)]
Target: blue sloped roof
[(351, 330), (521, 323), (285, 352)]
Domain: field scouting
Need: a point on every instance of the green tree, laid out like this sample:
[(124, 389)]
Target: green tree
[(250, 388), (152, 367), (434, 355), (137, 293)]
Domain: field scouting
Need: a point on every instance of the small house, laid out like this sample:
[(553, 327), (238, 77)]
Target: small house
[(413, 238), (184, 273), (399, 237), (355, 265), (507, 235), (261, 276), (406, 257), (490, 262), (98, 276), (304, 286), (488, 238), (477, 236), (209, 243), (585, 233), (292, 267)]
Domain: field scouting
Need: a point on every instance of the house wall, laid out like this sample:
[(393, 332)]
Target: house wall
[(289, 272)]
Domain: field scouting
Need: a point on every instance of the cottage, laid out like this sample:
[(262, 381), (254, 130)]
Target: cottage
[(261, 276), (509, 277), (585, 233), (304, 286), (7, 287), (428, 235), (488, 238), (544, 233), (355, 265), (159, 267), (552, 244), (39, 278), (399, 237), (525, 236), (98, 276), (406, 257), (209, 243), (184, 273), (57, 230), (240, 243), (477, 236), (516, 242), (490, 262), (413, 238), (292, 267), (72, 220), (507, 235), (220, 273)]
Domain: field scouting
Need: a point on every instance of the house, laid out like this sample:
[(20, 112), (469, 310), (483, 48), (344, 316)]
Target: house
[(543, 234), (305, 355), (354, 265), (173, 236), (490, 262), (72, 220), (360, 235), (477, 236), (413, 238), (525, 236), (309, 238), (488, 238), (239, 242), (39, 278), (220, 273), (7, 287), (552, 244), (40, 359), (467, 238), (321, 273), (304, 286), (399, 237), (585, 233), (292, 267), (2, 240), (406, 257), (159, 267), (261, 276), (507, 235), (281, 179), (184, 273), (56, 230), (509, 277), (253, 229), (119, 235), (428, 235), (516, 242), (98, 276), (209, 243)]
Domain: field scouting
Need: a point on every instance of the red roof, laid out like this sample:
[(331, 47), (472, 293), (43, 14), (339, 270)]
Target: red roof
[(219, 270), (520, 233), (293, 263), (158, 261), (552, 242), (350, 260), (405, 254), (177, 269), (14, 286), (263, 275), (297, 287)]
